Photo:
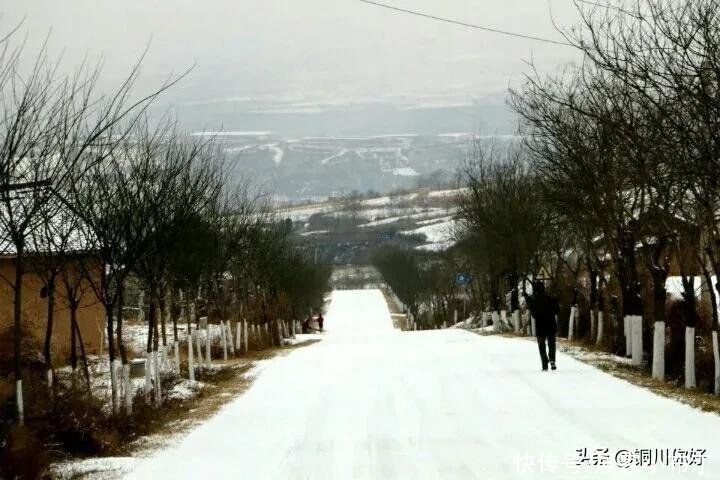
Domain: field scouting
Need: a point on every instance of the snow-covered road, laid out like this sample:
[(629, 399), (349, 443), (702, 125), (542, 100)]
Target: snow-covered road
[(369, 402)]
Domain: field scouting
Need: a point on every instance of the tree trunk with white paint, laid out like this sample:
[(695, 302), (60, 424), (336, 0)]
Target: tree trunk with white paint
[(627, 328), (658, 369), (198, 346), (455, 317), (128, 389), (117, 371), (246, 346), (716, 356), (208, 347), (293, 329), (229, 337), (176, 352), (19, 404), (600, 328), (496, 321), (191, 363), (49, 379), (637, 340), (516, 320), (223, 339), (690, 357), (148, 376), (158, 386), (504, 320), (571, 323), (593, 324), (238, 337)]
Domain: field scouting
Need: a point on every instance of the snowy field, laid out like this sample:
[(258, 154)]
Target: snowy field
[(371, 402)]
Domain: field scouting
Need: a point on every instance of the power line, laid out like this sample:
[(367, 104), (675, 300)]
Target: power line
[(464, 24), (606, 5)]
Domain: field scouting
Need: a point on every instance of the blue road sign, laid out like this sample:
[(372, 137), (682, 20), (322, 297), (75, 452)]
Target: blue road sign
[(384, 236)]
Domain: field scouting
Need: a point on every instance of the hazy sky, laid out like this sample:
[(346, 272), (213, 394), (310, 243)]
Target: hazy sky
[(301, 54)]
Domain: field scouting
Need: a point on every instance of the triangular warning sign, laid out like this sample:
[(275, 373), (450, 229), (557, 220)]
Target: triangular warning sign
[(543, 274)]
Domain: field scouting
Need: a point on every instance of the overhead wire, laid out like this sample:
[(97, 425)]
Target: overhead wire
[(465, 24)]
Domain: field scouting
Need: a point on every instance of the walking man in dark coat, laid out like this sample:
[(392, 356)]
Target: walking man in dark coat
[(544, 310)]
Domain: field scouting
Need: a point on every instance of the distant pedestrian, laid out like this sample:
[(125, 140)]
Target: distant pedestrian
[(321, 320), (306, 325), (544, 310)]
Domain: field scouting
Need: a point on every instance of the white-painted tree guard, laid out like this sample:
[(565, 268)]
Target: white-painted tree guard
[(658, 354), (600, 328), (716, 357), (245, 336), (116, 368), (637, 340), (223, 339), (147, 387), (19, 405), (127, 385), (176, 353), (198, 346), (158, 378), (496, 321), (208, 347), (690, 381), (229, 337), (571, 323), (627, 328), (191, 363), (516, 320), (238, 337)]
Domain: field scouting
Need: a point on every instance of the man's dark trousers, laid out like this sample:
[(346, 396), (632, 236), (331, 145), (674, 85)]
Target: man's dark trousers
[(550, 340)]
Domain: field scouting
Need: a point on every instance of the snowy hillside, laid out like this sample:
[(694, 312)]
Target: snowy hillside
[(320, 167), (422, 219)]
